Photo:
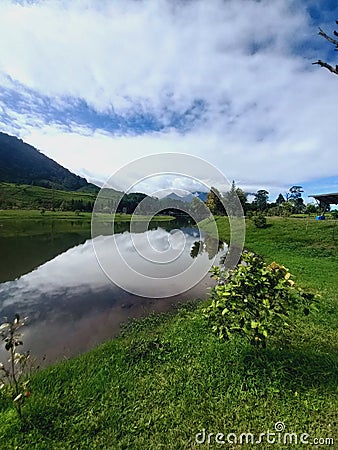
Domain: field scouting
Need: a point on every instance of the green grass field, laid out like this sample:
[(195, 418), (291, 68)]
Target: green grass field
[(24, 196), (167, 377), (305, 246)]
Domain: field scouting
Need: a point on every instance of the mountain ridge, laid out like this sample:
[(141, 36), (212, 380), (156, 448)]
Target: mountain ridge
[(187, 198), (22, 163)]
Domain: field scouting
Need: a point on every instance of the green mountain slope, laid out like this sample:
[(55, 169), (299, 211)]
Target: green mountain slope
[(23, 196), (24, 164)]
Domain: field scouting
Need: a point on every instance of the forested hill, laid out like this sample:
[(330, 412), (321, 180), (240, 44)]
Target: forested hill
[(22, 163)]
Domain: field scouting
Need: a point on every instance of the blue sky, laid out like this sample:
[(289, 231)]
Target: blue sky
[(95, 85)]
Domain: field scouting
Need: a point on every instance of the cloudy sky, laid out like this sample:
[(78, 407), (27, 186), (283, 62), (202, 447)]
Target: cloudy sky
[(95, 85)]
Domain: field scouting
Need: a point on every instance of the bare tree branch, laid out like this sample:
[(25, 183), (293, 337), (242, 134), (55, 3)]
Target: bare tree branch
[(329, 38), (335, 43), (327, 66)]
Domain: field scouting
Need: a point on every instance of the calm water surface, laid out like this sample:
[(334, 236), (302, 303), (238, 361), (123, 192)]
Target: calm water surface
[(55, 279)]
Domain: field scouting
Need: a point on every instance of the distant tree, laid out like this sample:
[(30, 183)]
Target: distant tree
[(311, 208), (198, 209), (129, 202), (63, 206), (148, 205), (261, 199), (295, 198), (298, 206), (214, 202), (232, 197), (274, 211), (286, 208), (280, 199), (242, 198), (333, 69), (89, 206), (295, 192)]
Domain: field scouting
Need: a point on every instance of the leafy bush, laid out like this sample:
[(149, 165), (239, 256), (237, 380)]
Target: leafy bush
[(287, 208), (259, 221), (254, 300), (274, 211)]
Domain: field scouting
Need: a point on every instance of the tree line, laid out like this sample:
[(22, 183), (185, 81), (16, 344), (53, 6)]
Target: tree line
[(289, 203)]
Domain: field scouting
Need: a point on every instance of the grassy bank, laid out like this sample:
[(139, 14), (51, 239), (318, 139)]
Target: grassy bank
[(305, 246), (168, 377)]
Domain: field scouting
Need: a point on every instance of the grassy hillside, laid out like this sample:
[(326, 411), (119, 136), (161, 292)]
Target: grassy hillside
[(23, 196), (168, 377)]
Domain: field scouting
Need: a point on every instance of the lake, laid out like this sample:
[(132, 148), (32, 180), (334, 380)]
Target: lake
[(76, 291)]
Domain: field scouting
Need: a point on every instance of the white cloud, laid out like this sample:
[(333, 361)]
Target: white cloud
[(142, 53), (269, 116)]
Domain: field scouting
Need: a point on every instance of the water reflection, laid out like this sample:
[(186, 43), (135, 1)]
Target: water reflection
[(22, 254), (155, 263), (210, 245), (73, 306)]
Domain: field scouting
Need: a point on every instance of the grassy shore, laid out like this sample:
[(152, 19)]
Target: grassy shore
[(168, 377), (305, 246)]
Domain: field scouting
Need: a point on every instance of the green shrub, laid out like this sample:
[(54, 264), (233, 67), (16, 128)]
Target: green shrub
[(254, 300), (259, 221), (13, 376), (274, 211)]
